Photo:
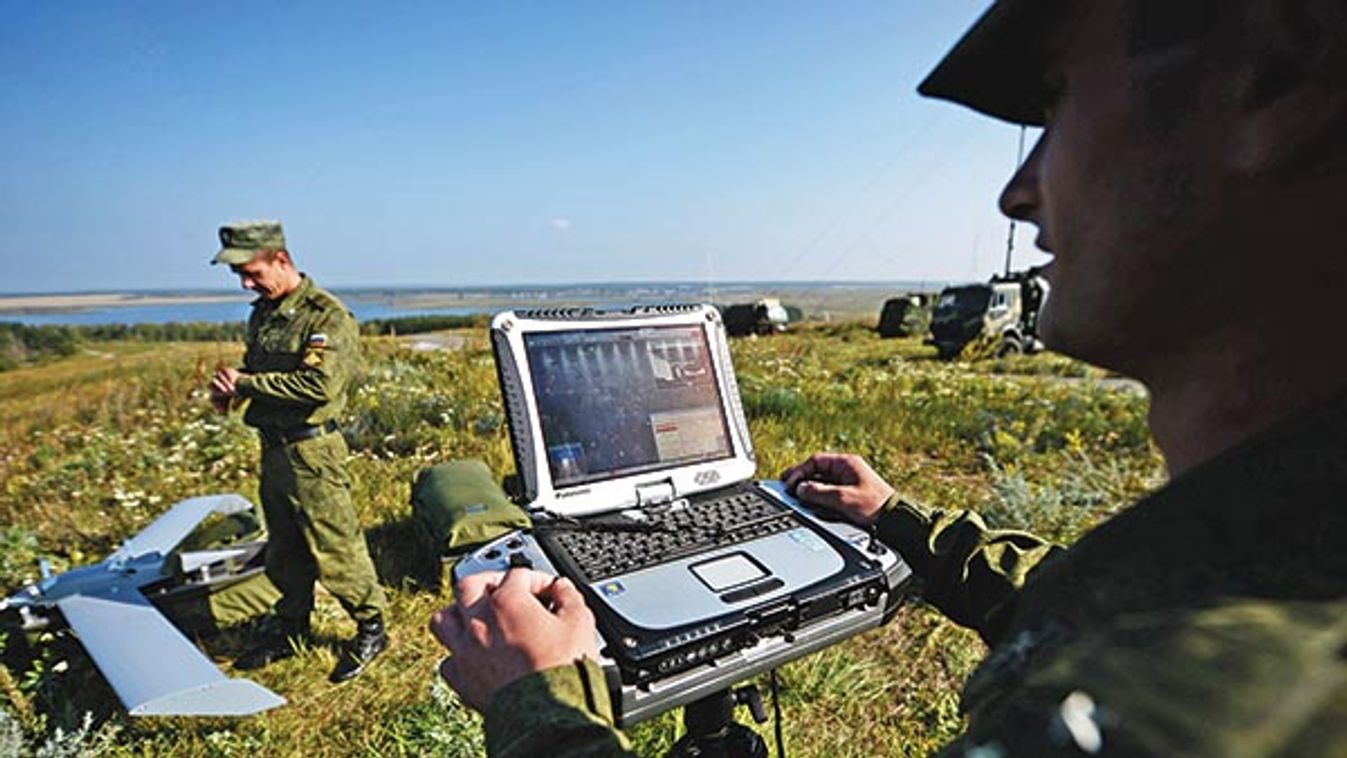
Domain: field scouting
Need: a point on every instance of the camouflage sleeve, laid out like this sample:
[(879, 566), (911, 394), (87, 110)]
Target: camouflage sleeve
[(564, 712), (971, 573), (324, 370), (1247, 677)]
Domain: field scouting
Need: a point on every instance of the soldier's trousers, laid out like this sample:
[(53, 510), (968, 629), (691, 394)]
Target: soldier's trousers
[(312, 530)]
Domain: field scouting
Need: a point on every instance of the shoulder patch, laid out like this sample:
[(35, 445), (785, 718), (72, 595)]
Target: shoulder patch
[(317, 341)]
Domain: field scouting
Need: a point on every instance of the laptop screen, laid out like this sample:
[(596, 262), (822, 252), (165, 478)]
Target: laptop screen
[(617, 402)]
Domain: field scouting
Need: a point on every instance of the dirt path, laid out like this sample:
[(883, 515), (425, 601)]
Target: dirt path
[(434, 341)]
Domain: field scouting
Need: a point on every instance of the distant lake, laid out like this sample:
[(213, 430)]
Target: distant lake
[(842, 298), (211, 312)]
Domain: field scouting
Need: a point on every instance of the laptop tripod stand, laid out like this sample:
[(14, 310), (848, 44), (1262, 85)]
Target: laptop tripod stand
[(712, 731)]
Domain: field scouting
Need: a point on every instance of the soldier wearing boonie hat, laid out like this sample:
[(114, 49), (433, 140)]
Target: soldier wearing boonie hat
[(303, 347), (1185, 144)]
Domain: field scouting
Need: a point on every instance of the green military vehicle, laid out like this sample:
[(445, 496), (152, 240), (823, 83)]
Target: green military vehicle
[(906, 316), (766, 316), (1001, 314)]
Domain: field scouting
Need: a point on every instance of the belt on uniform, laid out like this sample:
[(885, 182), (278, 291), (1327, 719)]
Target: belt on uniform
[(295, 433)]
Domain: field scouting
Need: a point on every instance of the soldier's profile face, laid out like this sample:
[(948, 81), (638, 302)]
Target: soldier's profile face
[(1120, 186), (267, 275)]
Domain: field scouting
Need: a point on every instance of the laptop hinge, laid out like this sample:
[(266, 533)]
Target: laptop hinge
[(654, 492)]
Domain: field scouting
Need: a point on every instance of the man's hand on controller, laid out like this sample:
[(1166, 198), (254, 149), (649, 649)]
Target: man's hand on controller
[(841, 482), (502, 627)]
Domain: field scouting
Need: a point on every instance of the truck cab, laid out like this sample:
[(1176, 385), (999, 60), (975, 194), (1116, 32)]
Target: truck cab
[(1003, 311)]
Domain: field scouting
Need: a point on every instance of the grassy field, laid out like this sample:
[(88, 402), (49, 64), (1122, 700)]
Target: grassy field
[(93, 446)]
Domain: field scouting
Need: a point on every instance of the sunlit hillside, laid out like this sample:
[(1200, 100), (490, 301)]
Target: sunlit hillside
[(94, 445)]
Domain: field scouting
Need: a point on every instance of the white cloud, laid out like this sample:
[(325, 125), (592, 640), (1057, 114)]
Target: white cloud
[(561, 224)]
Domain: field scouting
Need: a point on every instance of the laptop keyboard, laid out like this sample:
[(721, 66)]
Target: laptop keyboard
[(607, 546)]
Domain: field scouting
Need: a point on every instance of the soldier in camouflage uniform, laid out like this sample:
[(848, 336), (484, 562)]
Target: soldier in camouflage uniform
[(1182, 143), (303, 345)]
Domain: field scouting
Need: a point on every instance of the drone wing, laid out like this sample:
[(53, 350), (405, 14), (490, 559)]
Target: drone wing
[(164, 533), (155, 670)]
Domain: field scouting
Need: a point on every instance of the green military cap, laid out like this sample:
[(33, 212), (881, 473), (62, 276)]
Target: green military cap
[(240, 241), (997, 66)]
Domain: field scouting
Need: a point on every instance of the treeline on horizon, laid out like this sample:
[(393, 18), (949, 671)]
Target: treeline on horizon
[(23, 344)]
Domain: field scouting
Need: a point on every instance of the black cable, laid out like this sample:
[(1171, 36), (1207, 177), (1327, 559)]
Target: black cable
[(776, 715)]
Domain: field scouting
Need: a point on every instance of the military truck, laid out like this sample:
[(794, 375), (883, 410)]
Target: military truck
[(766, 316), (906, 316), (1002, 314)]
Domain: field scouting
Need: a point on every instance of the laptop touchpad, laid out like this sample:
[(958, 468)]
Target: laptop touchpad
[(728, 571)]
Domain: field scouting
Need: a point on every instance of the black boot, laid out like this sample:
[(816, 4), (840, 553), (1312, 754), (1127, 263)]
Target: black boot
[(275, 645), (370, 640)]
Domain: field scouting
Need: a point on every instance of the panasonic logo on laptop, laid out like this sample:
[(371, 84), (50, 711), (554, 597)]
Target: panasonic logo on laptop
[(573, 493), (709, 476)]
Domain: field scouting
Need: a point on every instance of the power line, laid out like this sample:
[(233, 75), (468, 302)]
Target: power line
[(864, 190), (912, 186)]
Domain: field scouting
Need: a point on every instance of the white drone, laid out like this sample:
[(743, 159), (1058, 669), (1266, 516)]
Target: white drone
[(153, 667)]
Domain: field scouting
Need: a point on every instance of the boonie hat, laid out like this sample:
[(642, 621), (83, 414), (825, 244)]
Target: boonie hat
[(996, 68), (240, 241)]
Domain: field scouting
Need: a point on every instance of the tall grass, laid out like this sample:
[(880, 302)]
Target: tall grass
[(93, 446)]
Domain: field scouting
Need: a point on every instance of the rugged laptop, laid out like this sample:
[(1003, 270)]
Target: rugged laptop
[(636, 465)]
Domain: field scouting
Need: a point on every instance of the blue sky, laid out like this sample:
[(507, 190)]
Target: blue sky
[(477, 143)]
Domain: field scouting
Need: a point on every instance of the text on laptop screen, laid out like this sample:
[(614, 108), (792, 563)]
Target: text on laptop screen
[(617, 402)]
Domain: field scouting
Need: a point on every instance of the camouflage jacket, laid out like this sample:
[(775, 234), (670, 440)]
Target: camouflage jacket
[(1209, 619), (301, 353)]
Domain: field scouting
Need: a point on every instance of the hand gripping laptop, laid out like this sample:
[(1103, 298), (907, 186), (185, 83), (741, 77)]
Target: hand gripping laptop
[(636, 465)]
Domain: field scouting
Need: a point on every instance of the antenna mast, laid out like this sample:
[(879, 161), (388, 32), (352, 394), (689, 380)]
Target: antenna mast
[(1010, 239)]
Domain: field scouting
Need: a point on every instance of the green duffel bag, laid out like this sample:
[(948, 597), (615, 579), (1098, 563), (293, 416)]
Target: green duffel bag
[(459, 505), (225, 592)]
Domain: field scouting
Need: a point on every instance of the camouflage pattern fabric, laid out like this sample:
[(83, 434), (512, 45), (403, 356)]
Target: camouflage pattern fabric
[(302, 351), (1210, 619), (561, 711), (240, 241), (313, 532), (971, 573)]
